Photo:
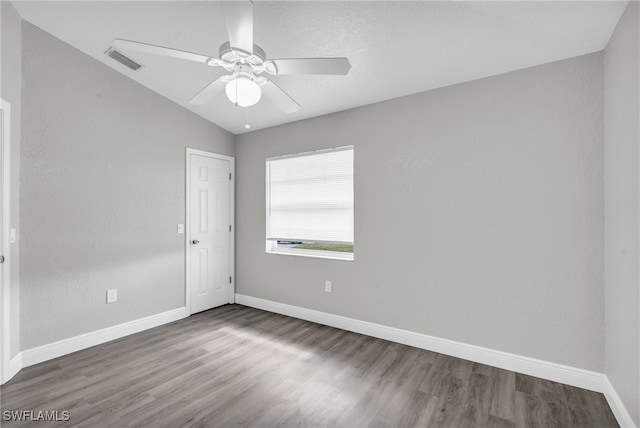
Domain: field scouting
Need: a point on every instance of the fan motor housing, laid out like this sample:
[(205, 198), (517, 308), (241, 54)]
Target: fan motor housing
[(233, 55)]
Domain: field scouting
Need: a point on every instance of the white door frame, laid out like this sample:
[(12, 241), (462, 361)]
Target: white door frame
[(5, 283), (187, 240)]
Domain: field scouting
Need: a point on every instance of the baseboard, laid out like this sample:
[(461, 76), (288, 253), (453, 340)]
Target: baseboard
[(15, 364), (67, 346), (543, 369), (617, 406)]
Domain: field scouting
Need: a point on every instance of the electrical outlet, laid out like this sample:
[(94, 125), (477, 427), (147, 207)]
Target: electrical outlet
[(180, 229), (112, 295), (328, 286)]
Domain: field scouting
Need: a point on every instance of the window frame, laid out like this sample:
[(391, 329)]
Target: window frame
[(271, 246)]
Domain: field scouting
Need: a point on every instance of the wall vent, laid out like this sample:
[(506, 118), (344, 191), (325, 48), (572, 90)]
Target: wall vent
[(122, 59)]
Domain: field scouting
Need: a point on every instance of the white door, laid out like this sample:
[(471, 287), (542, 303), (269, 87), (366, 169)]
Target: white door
[(209, 231)]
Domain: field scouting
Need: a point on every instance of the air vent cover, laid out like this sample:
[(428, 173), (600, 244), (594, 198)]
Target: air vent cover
[(122, 59)]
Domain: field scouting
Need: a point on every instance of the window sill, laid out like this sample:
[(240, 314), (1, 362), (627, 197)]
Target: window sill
[(331, 255)]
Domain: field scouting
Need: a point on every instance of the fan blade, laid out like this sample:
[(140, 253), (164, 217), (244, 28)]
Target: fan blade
[(210, 91), (279, 97), (160, 50), (238, 16), (309, 66)]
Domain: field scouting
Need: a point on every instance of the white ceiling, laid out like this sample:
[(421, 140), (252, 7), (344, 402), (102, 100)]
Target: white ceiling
[(395, 48)]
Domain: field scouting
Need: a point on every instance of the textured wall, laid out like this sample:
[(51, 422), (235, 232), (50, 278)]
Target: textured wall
[(10, 91), (622, 214), (478, 214), (103, 189)]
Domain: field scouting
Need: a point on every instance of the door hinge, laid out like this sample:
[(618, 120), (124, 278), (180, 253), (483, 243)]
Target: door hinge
[(229, 176), (229, 228), (1, 259), (229, 280)]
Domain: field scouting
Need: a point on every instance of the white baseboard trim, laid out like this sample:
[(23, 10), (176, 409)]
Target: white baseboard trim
[(67, 346), (617, 406), (543, 369), (15, 365)]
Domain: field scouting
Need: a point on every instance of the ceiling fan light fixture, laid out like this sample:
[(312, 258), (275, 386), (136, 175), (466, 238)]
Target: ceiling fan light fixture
[(243, 91)]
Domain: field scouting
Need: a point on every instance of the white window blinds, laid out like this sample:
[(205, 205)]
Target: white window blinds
[(310, 197)]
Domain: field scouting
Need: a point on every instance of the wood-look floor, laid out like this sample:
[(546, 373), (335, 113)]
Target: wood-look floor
[(237, 366)]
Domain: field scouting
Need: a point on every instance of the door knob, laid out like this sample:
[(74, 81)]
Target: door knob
[(195, 242)]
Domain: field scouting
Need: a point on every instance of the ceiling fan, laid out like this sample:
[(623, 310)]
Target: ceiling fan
[(246, 62)]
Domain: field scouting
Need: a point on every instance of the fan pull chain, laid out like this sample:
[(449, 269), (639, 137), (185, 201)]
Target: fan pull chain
[(236, 92), (247, 126)]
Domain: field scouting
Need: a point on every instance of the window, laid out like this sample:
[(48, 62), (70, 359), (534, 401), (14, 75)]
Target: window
[(310, 204)]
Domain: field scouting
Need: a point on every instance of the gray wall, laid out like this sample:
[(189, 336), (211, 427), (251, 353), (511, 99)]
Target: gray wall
[(478, 214), (10, 91), (103, 189), (622, 214)]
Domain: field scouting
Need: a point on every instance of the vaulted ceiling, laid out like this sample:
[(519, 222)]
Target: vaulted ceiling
[(395, 48)]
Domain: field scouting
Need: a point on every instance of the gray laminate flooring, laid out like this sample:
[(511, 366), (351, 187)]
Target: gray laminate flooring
[(236, 366)]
